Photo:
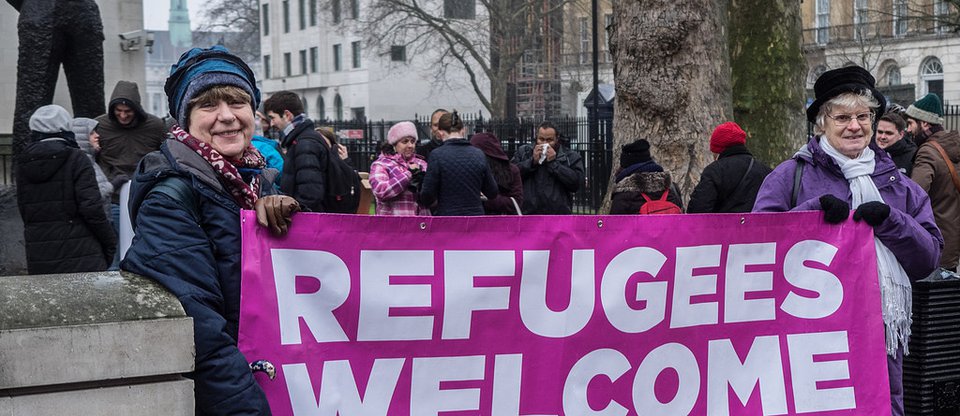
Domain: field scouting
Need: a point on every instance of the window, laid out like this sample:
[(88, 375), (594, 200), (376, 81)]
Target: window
[(355, 52), (892, 76), (931, 73), (459, 9), (321, 110), (823, 21), (313, 59), (354, 8), (306, 109), (286, 64), (941, 11), (338, 108), (313, 12), (335, 9), (584, 41), (899, 17), (266, 66), (359, 114), (860, 19), (336, 58), (398, 53), (266, 19), (608, 24), (286, 16), (814, 74), (303, 61), (302, 9)]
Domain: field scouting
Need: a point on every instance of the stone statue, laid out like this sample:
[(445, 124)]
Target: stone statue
[(51, 33)]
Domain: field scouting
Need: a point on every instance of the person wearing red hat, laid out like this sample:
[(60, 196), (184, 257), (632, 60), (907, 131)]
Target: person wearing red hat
[(731, 182)]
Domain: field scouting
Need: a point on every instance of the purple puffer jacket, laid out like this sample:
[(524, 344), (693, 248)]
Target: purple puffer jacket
[(910, 232)]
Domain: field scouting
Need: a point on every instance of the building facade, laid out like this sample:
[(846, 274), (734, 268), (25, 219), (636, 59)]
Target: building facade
[(318, 51), (910, 46), (577, 69)]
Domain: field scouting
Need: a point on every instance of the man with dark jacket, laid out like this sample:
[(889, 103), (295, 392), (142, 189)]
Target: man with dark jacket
[(64, 226), (127, 133), (434, 141), (891, 138), (931, 172), (304, 165), (551, 173), (731, 182)]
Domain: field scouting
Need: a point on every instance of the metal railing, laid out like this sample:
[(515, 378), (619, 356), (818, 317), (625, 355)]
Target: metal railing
[(363, 139), (879, 30)]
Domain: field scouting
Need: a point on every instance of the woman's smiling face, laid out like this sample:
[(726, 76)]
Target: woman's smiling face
[(226, 124)]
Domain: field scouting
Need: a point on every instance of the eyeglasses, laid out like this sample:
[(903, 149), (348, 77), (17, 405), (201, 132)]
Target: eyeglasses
[(843, 120)]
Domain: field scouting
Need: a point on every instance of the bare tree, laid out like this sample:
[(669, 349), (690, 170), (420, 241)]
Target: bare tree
[(234, 24), (672, 74), (489, 44)]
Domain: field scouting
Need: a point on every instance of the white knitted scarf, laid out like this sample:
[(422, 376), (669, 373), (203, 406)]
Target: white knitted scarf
[(895, 290)]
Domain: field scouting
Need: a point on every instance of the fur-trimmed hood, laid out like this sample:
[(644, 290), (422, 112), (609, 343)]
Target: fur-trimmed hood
[(646, 182)]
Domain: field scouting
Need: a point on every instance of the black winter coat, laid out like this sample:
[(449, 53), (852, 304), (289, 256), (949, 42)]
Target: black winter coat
[(903, 152), (304, 166), (627, 195), (193, 250), (718, 192), (64, 225), (456, 175), (549, 188)]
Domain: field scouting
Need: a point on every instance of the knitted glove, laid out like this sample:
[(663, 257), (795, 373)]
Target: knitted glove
[(874, 213), (835, 210)]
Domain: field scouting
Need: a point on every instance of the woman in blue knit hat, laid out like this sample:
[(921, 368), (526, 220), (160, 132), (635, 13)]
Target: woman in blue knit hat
[(185, 204)]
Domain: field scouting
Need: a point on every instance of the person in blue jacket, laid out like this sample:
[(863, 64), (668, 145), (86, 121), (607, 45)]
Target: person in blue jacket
[(185, 204)]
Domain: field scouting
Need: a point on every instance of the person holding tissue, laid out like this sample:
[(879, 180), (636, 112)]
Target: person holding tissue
[(551, 173)]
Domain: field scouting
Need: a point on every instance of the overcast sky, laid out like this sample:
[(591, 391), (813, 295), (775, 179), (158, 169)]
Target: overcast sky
[(157, 12)]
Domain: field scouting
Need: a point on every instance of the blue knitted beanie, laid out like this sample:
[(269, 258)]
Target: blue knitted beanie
[(201, 69)]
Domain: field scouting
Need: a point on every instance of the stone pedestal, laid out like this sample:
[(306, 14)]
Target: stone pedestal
[(93, 343)]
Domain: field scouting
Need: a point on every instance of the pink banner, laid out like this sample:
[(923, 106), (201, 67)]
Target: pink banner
[(577, 315)]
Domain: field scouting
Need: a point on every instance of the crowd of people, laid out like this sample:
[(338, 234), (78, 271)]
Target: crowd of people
[(189, 181)]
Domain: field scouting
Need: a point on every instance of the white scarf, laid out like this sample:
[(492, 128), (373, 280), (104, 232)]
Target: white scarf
[(895, 290)]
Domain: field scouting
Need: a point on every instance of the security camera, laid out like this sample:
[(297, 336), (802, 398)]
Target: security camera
[(132, 41)]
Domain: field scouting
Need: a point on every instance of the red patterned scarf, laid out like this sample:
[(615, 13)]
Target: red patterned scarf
[(243, 193)]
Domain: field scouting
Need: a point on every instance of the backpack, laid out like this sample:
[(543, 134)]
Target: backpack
[(659, 206), (343, 187)]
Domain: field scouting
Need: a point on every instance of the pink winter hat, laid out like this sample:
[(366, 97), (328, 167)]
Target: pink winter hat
[(401, 130)]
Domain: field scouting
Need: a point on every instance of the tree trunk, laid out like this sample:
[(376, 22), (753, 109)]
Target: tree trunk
[(768, 76), (672, 75)]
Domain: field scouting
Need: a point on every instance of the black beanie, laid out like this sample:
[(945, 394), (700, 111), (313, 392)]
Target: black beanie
[(636, 152)]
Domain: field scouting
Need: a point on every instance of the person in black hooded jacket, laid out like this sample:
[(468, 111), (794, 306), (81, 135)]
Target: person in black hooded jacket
[(64, 225), (731, 183), (639, 174)]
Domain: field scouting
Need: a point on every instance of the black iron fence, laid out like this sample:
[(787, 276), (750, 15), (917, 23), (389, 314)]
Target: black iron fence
[(362, 138)]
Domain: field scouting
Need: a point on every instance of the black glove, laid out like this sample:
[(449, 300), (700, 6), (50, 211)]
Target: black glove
[(416, 182), (874, 213), (118, 181), (835, 210)]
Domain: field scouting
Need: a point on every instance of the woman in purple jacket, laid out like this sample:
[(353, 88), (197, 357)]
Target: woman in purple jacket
[(842, 167)]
